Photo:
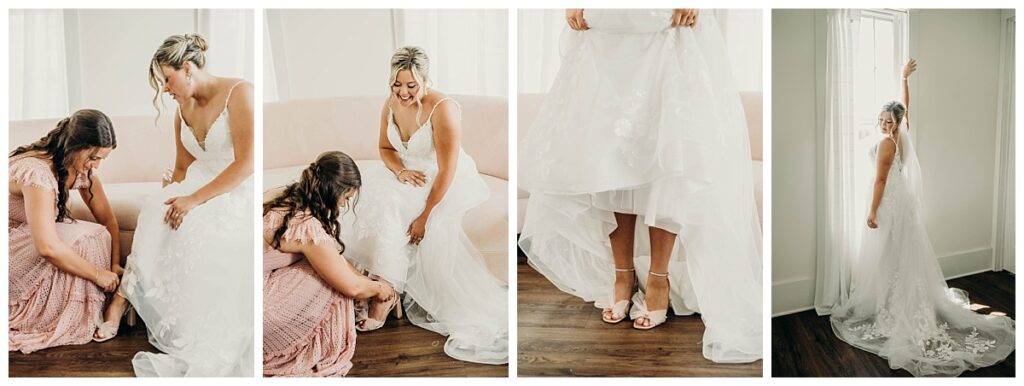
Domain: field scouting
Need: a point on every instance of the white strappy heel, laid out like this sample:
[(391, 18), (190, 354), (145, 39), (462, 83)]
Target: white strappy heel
[(618, 310), (640, 310), (108, 330), (370, 324)]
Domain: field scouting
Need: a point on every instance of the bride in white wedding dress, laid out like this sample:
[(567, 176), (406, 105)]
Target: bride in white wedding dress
[(190, 272), (639, 161), (407, 227), (899, 305)]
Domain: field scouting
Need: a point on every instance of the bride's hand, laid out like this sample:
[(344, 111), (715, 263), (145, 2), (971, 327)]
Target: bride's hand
[(177, 208), (685, 17), (117, 270), (574, 16), (412, 177), (871, 221), (417, 229), (909, 68)]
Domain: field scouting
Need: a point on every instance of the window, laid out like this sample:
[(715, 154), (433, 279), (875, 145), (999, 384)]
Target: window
[(881, 50)]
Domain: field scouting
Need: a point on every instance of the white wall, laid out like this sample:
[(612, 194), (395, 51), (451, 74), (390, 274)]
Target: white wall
[(346, 52), (793, 159), (109, 53), (953, 111), (317, 52)]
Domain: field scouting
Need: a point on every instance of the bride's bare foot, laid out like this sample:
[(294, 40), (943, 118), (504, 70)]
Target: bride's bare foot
[(655, 297), (625, 281)]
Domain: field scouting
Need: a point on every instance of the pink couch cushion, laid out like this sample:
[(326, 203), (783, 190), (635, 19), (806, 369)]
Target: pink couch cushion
[(296, 131), (144, 150)]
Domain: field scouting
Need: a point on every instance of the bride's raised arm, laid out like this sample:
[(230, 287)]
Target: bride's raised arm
[(908, 69)]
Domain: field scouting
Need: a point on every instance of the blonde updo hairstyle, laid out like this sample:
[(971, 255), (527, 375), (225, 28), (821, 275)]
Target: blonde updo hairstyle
[(414, 60), (174, 52)]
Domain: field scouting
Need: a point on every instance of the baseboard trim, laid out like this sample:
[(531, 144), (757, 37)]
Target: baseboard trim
[(797, 295)]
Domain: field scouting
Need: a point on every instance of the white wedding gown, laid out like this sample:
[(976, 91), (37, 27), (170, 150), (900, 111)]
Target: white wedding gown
[(645, 119), (447, 287), (193, 286), (899, 305)]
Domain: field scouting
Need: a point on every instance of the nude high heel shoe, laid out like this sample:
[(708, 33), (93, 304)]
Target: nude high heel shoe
[(617, 312), (656, 317), (370, 324), (108, 330)]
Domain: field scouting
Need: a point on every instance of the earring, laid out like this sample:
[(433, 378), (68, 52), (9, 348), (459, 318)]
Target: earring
[(189, 79)]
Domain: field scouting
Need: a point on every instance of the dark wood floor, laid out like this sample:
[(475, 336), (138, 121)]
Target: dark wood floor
[(803, 344), (112, 358), (400, 349), (560, 335)]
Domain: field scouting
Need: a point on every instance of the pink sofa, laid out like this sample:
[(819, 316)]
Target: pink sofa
[(132, 172), (529, 104), (295, 132)]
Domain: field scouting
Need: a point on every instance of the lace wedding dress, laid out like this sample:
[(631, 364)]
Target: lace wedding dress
[(645, 119), (193, 286), (447, 287), (899, 306)]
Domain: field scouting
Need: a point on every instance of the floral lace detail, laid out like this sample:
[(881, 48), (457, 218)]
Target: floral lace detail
[(943, 346), (633, 125)]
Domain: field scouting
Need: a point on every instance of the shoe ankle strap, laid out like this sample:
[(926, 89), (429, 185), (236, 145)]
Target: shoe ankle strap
[(630, 269), (659, 274)]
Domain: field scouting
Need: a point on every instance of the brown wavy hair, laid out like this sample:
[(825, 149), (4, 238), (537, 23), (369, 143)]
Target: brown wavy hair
[(84, 130), (318, 191)]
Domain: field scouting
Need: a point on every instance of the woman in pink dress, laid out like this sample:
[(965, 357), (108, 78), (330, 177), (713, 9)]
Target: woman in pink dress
[(60, 267), (308, 287)]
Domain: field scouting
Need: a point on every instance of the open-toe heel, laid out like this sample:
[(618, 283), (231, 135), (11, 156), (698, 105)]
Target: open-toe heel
[(640, 310), (617, 312), (108, 330), (370, 324)]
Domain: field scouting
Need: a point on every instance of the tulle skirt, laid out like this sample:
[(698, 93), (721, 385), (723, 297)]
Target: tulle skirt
[(900, 307), (447, 287), (193, 286), (645, 119)]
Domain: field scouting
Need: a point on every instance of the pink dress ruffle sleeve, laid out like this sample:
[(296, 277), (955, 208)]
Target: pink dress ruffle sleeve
[(49, 307), (308, 326)]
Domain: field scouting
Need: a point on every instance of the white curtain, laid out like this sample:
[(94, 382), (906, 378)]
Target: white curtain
[(837, 230), (841, 204), (64, 60), (539, 56), (468, 48), (269, 70), (38, 86), (538, 51), (230, 31)]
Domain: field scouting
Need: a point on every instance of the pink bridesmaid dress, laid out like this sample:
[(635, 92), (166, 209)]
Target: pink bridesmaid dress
[(308, 326), (49, 307)]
